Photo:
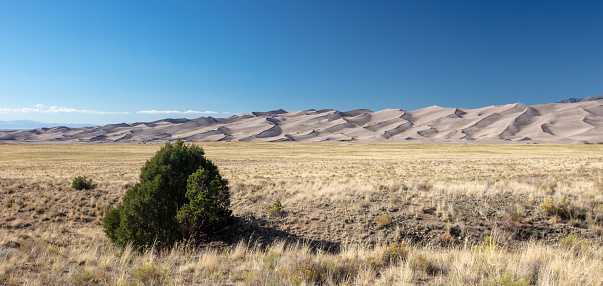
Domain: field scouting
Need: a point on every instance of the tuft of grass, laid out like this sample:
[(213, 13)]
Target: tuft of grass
[(393, 254), (509, 279), (422, 264), (151, 274), (423, 186), (488, 244), (383, 220)]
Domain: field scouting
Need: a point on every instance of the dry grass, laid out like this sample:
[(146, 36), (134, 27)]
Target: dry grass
[(391, 213)]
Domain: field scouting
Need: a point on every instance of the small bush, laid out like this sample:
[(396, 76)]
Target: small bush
[(571, 242), (276, 209), (82, 183), (306, 269), (330, 272), (549, 186), (562, 208), (393, 254), (423, 186), (383, 220), (385, 257), (517, 216), (548, 207), (568, 241), (420, 263)]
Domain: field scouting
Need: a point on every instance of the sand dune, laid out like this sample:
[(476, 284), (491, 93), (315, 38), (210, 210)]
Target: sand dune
[(546, 123)]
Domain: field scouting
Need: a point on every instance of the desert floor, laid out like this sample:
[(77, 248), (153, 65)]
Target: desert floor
[(352, 214)]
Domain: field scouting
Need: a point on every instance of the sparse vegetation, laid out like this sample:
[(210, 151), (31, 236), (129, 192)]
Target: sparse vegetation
[(82, 183), (329, 236), (561, 208)]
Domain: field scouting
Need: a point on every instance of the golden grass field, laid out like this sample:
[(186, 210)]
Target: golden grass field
[(352, 214)]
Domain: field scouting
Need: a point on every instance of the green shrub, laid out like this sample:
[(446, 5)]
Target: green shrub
[(180, 195), (82, 183), (276, 209), (207, 210)]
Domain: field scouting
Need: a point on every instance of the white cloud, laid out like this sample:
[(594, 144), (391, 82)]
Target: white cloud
[(175, 112), (40, 108)]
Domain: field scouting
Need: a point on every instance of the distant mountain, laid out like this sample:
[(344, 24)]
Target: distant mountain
[(588, 98), (512, 123), (29, 124)]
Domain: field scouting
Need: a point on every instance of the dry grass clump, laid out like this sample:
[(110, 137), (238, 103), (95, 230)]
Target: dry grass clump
[(383, 220), (329, 214), (299, 264)]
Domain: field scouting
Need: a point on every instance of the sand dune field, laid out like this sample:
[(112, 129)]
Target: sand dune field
[(578, 122)]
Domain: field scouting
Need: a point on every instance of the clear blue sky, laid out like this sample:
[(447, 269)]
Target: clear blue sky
[(127, 61)]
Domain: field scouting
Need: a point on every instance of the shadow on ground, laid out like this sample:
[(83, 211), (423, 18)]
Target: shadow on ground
[(261, 232)]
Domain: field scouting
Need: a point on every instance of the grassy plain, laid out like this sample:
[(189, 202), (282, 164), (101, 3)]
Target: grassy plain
[(356, 214)]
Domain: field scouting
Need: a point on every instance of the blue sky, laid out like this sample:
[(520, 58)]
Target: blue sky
[(128, 61)]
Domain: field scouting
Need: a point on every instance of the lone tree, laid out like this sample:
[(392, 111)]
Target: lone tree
[(180, 195)]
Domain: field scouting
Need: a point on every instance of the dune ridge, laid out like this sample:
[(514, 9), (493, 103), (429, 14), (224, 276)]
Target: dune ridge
[(577, 122)]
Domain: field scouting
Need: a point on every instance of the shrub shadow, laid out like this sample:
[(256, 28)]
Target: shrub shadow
[(261, 231)]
